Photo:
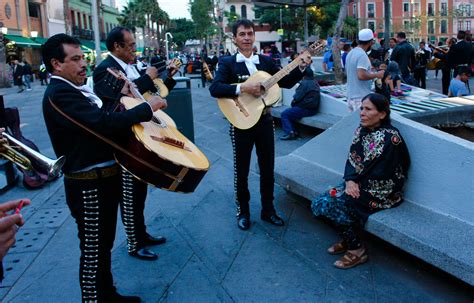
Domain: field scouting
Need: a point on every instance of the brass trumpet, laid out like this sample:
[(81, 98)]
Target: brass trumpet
[(23, 155)]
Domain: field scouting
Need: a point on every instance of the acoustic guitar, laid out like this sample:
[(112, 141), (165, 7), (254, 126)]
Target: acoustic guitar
[(163, 157), (161, 89), (244, 110)]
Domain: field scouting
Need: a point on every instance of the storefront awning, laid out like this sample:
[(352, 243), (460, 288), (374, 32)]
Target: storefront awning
[(89, 44), (40, 40), (22, 41)]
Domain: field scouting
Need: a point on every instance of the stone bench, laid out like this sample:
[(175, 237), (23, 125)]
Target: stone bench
[(436, 221), (320, 120)]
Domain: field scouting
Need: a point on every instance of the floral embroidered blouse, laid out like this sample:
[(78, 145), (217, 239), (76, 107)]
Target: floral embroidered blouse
[(378, 161)]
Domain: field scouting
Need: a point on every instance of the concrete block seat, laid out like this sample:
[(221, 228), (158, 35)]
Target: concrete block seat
[(320, 120), (436, 221)]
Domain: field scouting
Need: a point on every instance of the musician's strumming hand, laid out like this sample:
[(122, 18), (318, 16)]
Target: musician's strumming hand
[(172, 69), (380, 74), (126, 90), (152, 72), (254, 89), (3, 141), (156, 103)]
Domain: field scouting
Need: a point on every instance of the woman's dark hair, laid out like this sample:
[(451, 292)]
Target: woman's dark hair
[(393, 39), (381, 104), (53, 49), (242, 22), (116, 35)]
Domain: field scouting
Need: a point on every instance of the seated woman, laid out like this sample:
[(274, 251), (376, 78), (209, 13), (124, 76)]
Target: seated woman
[(374, 175)]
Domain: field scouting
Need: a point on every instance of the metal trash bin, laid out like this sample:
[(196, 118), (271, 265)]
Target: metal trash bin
[(180, 107)]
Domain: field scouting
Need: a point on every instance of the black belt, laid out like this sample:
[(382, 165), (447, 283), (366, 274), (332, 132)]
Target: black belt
[(95, 173)]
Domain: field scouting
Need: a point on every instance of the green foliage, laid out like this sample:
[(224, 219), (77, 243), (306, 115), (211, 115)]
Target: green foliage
[(321, 19), (139, 13), (231, 17), (183, 30), (201, 13)]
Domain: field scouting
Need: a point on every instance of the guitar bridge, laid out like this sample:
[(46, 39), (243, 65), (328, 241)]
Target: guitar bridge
[(241, 107), (170, 141)]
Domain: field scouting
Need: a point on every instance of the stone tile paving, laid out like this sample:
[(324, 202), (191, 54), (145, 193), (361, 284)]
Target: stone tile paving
[(206, 258)]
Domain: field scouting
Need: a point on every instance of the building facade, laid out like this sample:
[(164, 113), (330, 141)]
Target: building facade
[(465, 15), (421, 20), (245, 10)]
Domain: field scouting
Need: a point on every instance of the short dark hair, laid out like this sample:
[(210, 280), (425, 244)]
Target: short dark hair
[(53, 48), (401, 35), (381, 103), (242, 22), (461, 35), (116, 35), (464, 70), (393, 39)]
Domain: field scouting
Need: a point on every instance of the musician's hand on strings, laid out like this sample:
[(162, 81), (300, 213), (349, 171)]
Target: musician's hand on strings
[(3, 141), (156, 103), (254, 89), (126, 90), (9, 224), (152, 72), (172, 69)]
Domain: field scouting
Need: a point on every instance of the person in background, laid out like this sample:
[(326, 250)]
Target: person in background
[(459, 84), (391, 45), (142, 64), (305, 103), (43, 74), (18, 75), (328, 61), (446, 69), (275, 55), (422, 57), (27, 75), (345, 51), (358, 71), (393, 79), (404, 55), (374, 176)]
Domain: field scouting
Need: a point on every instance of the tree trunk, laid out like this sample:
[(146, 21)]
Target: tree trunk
[(388, 19), (336, 52)]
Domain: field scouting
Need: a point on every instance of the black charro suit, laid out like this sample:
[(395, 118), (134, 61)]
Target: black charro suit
[(460, 53), (134, 191), (261, 135), (91, 193)]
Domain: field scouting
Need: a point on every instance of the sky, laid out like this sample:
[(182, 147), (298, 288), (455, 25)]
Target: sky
[(174, 8)]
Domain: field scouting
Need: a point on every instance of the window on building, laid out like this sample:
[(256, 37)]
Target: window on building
[(370, 10), (90, 21), (431, 11), (416, 7), (85, 21), (467, 9), (460, 25), (406, 7), (73, 18), (243, 11), (258, 12), (371, 25), (444, 27), (34, 10), (406, 25), (354, 10), (431, 27), (468, 26), (232, 9), (444, 9), (79, 21)]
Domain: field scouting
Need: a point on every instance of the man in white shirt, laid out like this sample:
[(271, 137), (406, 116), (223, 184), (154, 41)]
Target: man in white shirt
[(359, 76)]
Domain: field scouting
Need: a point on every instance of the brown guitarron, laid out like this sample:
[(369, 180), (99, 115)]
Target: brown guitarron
[(244, 110)]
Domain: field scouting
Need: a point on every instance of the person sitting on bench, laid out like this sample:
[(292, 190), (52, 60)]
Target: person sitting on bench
[(375, 172), (305, 103)]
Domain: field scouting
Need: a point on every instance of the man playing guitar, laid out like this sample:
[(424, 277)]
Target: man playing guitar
[(237, 68), (91, 176), (122, 47)]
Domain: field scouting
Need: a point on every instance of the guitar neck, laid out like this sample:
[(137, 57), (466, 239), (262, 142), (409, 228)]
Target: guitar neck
[(283, 72)]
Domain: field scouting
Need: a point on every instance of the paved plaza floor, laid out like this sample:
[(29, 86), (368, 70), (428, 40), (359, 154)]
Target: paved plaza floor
[(207, 258)]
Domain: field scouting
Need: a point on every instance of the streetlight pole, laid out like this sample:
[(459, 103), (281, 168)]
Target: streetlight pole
[(167, 51)]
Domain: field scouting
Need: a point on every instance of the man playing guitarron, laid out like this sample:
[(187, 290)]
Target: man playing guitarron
[(234, 69)]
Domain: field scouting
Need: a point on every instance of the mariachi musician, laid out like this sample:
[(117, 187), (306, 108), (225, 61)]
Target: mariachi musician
[(91, 176), (122, 48), (233, 69)]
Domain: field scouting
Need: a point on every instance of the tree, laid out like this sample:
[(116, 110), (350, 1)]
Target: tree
[(201, 13), (183, 30), (336, 52)]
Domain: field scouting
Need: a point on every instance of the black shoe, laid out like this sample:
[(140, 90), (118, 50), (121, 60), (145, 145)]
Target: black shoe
[(150, 240), (144, 254), (290, 136), (243, 223), (273, 219), (118, 298)]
